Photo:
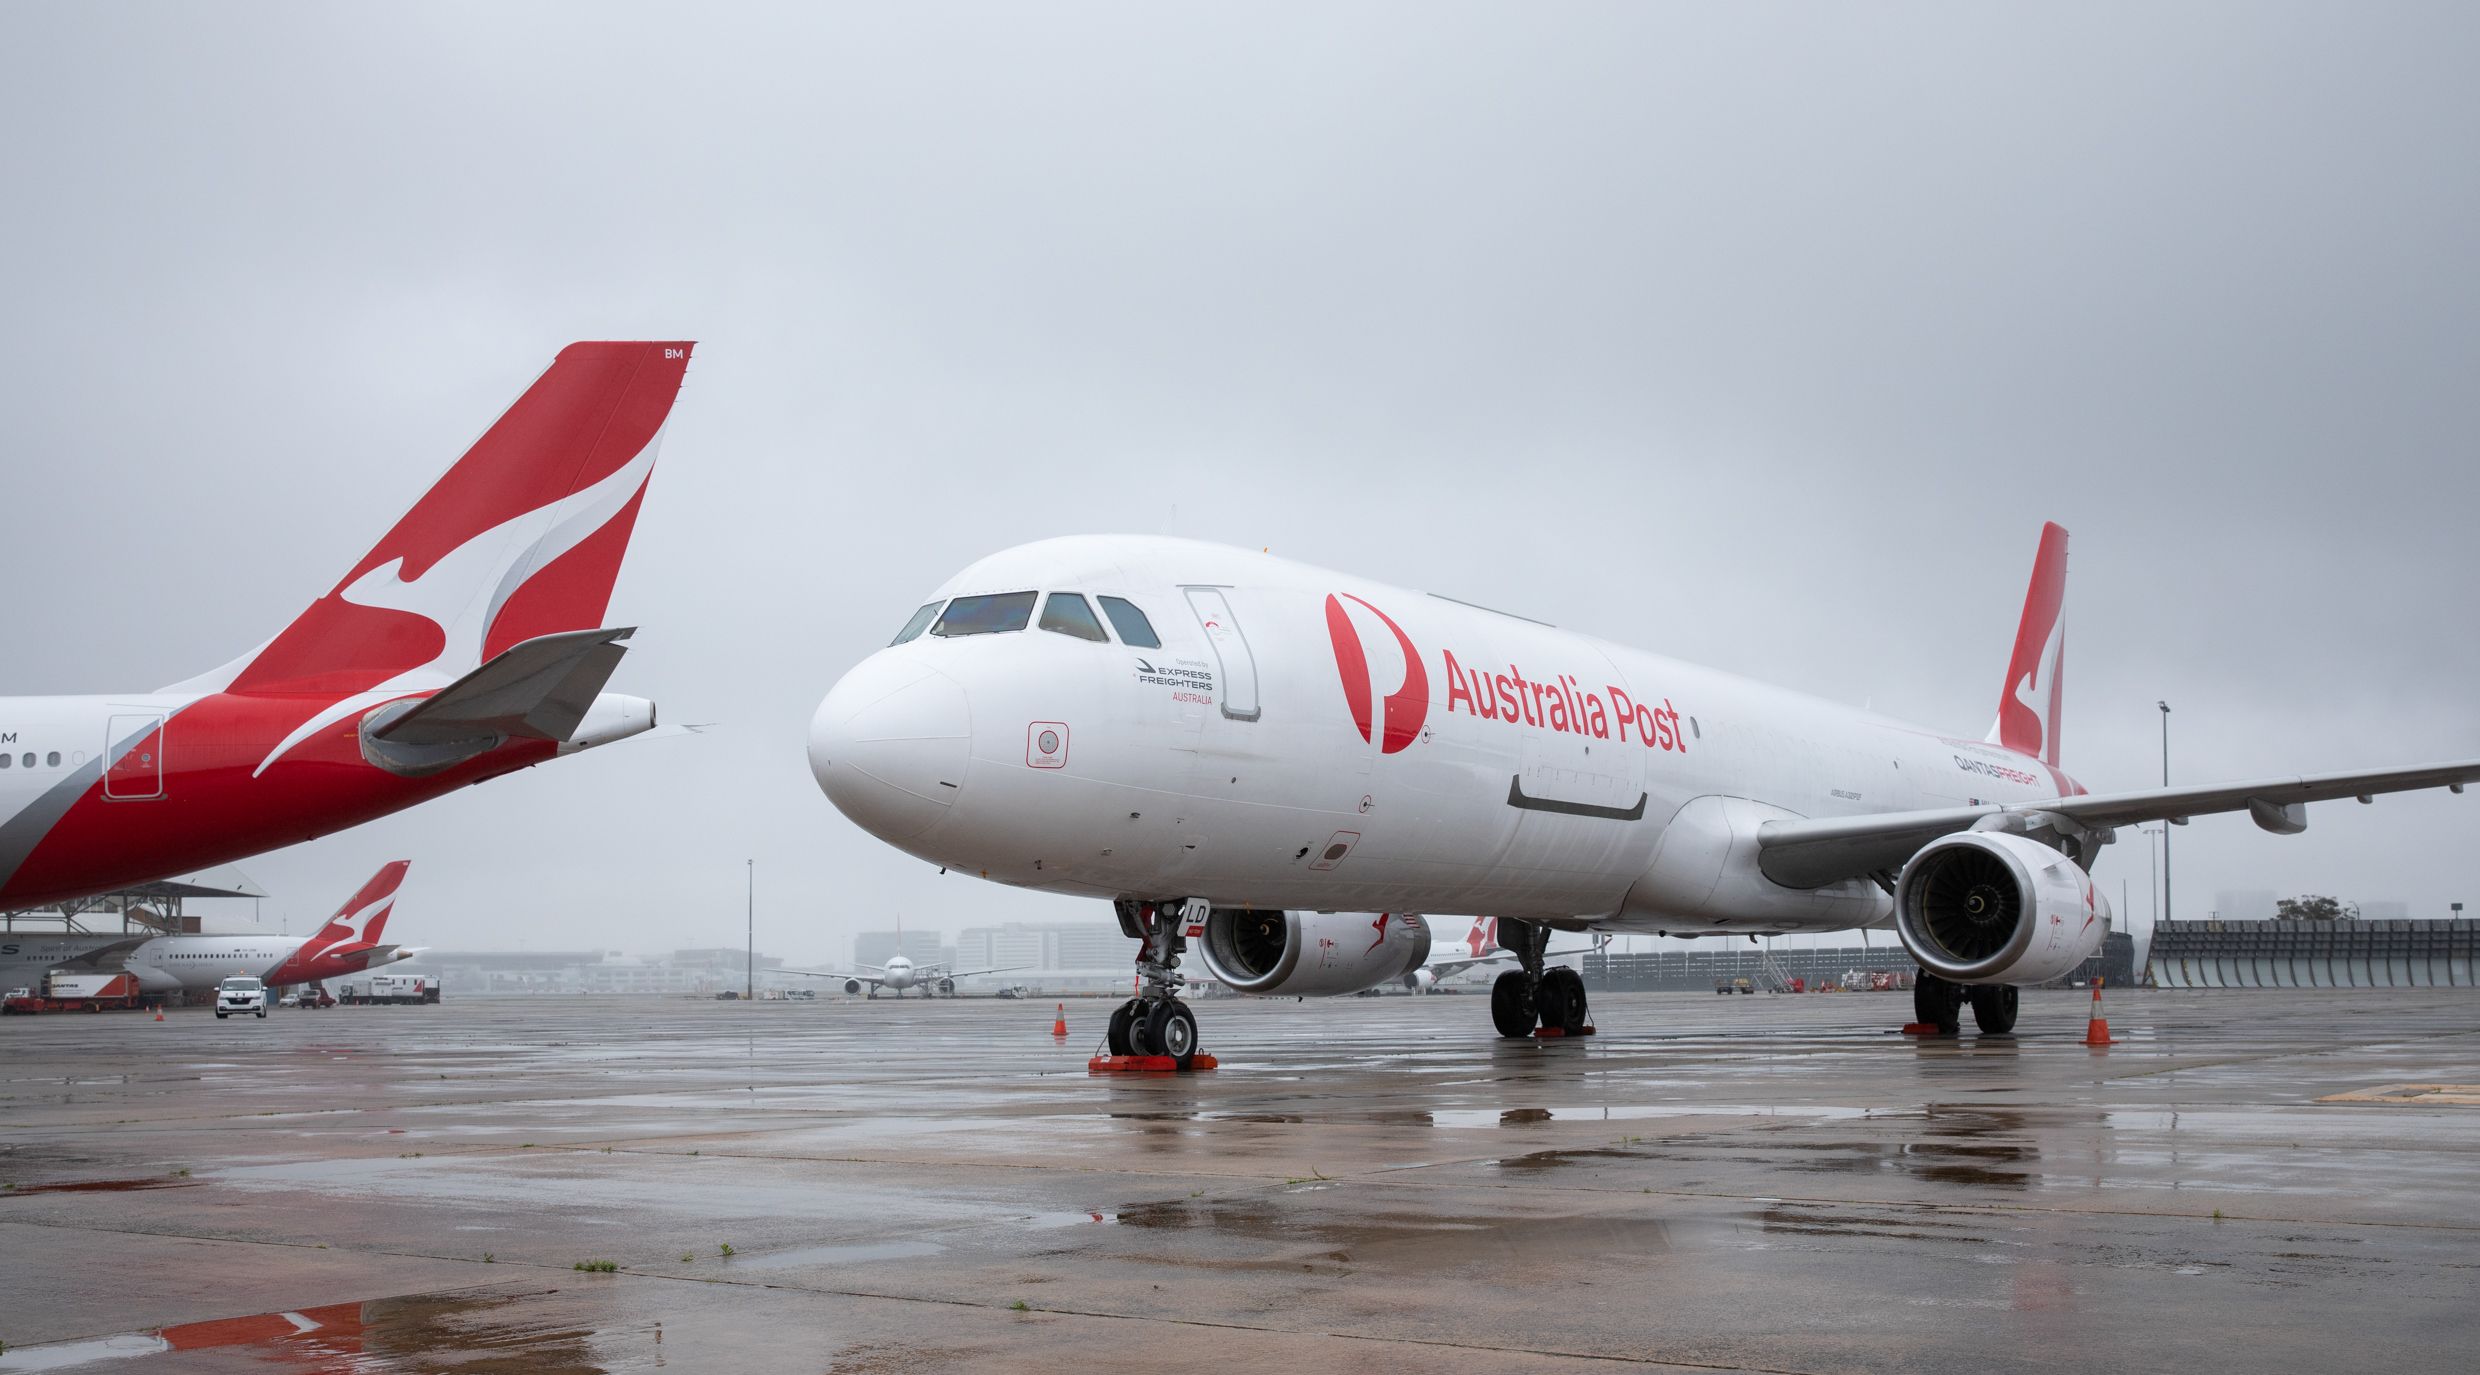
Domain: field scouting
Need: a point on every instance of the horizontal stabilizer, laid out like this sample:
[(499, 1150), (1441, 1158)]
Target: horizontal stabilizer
[(539, 689)]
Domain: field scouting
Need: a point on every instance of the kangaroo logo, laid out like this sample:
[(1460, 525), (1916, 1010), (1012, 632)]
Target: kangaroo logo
[(1405, 708), (462, 593)]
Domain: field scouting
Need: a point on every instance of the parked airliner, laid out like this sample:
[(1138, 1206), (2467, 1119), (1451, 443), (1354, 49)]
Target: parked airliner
[(467, 643), (1246, 753), (900, 973), (346, 943)]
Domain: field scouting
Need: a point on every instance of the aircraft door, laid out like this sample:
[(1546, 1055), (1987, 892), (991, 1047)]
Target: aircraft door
[(134, 773), (1231, 651)]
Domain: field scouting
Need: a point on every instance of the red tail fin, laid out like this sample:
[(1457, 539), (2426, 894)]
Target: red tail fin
[(2029, 705), (364, 915), (522, 537)]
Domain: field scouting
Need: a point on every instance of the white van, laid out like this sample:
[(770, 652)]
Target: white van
[(240, 993)]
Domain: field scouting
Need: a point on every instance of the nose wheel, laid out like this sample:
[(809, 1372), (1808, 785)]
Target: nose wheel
[(1142, 1028), (1155, 1024)]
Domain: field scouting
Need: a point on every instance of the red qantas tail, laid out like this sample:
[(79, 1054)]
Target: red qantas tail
[(2028, 707), (364, 915), (523, 537)]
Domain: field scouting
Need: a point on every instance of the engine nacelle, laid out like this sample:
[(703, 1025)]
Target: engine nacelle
[(1984, 907), (1421, 980), (1311, 954), (852, 986)]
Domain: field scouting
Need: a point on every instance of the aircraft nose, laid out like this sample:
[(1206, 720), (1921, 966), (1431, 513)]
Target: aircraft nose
[(889, 745)]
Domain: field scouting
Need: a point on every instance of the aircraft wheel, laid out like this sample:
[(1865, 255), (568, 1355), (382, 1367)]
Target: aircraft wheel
[(1170, 1029), (1121, 1039), (1938, 1003), (1993, 1008), (1562, 999), (1513, 1008)]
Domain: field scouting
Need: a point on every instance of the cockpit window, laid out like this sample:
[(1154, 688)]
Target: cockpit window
[(920, 622), (986, 615), (1067, 613), (1133, 628)]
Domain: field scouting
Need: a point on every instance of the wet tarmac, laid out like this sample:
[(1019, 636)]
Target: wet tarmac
[(2247, 1182)]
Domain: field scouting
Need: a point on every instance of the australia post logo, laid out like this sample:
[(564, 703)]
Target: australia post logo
[(1405, 707), (1558, 703)]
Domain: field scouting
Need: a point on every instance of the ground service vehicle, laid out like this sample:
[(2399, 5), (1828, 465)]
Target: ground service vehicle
[(240, 993)]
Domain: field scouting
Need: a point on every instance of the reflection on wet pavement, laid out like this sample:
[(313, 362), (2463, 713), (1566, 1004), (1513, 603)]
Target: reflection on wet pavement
[(1771, 1184)]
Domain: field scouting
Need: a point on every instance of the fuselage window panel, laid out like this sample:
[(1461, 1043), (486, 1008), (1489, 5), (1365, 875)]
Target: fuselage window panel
[(987, 615), (1068, 613), (1134, 629), (920, 622)]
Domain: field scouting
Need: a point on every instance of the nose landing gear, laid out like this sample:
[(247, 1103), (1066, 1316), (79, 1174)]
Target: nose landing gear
[(1155, 1030)]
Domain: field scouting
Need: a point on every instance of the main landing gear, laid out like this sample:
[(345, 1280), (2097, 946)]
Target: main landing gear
[(1939, 1003), (1522, 999), (1156, 1022)]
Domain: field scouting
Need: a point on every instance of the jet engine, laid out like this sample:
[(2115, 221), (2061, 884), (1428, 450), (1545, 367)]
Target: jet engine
[(1421, 980), (1311, 954), (852, 985), (1985, 907)]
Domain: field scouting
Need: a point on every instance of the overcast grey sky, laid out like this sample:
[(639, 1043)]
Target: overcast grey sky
[(1761, 336)]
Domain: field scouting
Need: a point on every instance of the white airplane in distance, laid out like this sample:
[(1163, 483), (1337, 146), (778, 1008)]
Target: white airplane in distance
[(900, 973), (1241, 751)]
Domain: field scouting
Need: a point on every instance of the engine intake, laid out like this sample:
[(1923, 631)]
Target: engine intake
[(1985, 907), (1311, 954)]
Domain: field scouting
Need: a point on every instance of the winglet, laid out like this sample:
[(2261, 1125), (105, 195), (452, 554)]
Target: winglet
[(2029, 705)]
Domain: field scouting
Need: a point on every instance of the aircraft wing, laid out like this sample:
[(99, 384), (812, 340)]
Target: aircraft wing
[(969, 973), (1459, 964), (1810, 853), (873, 980), (94, 959)]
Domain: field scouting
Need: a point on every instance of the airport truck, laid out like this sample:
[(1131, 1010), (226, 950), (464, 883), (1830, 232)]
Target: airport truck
[(77, 993), (392, 988)]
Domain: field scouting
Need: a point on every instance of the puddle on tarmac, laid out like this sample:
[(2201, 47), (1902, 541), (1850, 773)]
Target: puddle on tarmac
[(103, 1186), (1400, 1240), (1632, 1112), (1070, 1219), (373, 1337), (1903, 1225), (840, 1255)]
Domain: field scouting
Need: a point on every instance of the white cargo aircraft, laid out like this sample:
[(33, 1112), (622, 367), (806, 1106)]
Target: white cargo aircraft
[(1245, 752)]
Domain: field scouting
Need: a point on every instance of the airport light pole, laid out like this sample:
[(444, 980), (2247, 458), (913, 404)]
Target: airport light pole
[(749, 989), (2167, 911)]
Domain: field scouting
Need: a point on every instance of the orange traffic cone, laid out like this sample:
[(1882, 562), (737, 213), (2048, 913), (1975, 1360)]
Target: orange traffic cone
[(159, 1014), (2097, 1031), (1059, 1024)]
